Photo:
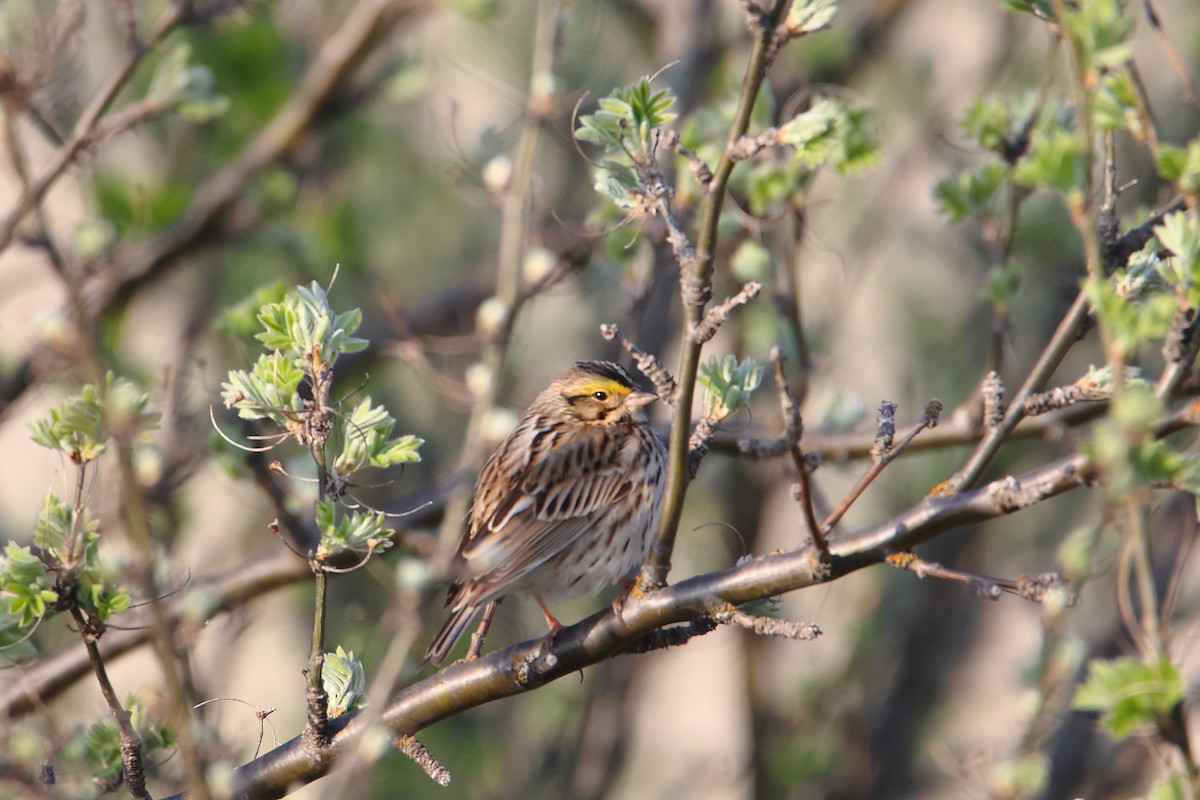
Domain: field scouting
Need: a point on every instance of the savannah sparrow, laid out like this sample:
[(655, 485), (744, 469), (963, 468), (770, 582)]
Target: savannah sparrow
[(566, 505)]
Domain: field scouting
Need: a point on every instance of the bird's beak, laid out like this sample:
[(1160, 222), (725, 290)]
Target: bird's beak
[(638, 399)]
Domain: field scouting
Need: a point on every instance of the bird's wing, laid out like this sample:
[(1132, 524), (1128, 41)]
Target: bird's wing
[(565, 485)]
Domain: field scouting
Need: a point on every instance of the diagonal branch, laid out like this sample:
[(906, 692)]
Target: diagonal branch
[(523, 667), (365, 27)]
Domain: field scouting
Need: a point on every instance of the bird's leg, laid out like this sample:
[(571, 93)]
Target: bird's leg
[(553, 624), (485, 624)]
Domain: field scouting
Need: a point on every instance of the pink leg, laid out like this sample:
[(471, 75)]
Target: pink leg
[(553, 624)]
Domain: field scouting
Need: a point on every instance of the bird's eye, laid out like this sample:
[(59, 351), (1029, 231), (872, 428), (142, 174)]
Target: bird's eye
[(601, 396)]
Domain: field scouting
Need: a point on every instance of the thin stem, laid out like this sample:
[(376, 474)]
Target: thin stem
[(178, 689), (698, 289), (316, 731), (132, 767), (1143, 568)]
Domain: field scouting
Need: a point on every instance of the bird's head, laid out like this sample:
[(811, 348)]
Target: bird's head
[(600, 392)]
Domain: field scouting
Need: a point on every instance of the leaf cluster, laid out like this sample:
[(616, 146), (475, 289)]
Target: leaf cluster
[(728, 384)]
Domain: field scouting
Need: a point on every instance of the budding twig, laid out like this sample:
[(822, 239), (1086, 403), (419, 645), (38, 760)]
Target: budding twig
[(424, 759), (649, 365), (883, 453), (718, 315), (1034, 588), (993, 400), (770, 626)]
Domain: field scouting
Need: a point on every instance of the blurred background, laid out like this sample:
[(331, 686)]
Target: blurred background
[(459, 123)]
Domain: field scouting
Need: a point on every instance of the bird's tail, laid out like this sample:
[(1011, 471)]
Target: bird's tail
[(444, 642)]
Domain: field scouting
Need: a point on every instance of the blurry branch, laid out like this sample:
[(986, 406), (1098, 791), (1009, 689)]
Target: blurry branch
[(496, 316), (1172, 54), (87, 127), (526, 666), (365, 28), (110, 283), (201, 602), (696, 282)]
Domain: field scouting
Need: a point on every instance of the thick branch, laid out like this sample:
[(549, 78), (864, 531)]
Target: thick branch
[(522, 667)]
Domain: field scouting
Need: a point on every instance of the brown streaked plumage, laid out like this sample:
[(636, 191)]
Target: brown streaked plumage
[(566, 505)]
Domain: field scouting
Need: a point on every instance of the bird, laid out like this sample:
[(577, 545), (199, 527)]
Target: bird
[(567, 504)]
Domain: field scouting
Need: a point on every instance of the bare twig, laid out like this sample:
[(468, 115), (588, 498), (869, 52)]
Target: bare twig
[(664, 385), (424, 759), (1064, 337), (132, 768), (475, 647), (1177, 63), (793, 431), (882, 455), (993, 400), (770, 626), (718, 315), (1035, 588)]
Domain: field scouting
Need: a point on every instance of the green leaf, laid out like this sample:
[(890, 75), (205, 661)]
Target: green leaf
[(304, 326), (830, 132), (1054, 161), (987, 122), (750, 262), (267, 392), (728, 384), (1180, 165), (345, 682), (1101, 28), (1114, 105), (627, 118), (81, 427), (358, 531), (241, 319), (1130, 693), (364, 435), (1131, 323), (1002, 284), (810, 16), (55, 522), (1180, 233), (968, 192), (101, 743), (24, 585), (771, 186), (188, 89)]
